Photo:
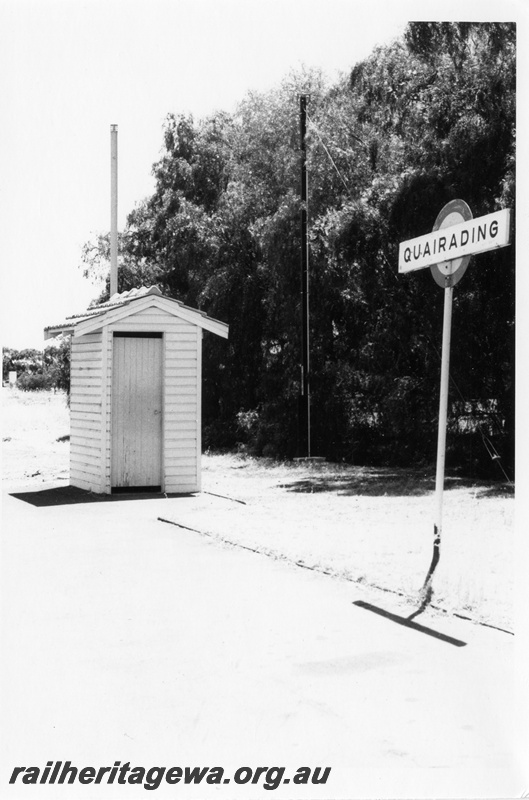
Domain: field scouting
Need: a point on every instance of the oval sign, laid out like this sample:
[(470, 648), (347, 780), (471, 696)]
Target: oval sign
[(448, 273)]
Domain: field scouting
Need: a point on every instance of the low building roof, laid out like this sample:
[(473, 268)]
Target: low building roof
[(120, 305)]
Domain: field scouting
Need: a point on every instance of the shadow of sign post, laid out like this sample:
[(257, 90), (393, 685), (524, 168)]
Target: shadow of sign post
[(408, 623)]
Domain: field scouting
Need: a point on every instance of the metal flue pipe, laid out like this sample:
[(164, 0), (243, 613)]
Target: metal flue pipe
[(113, 209)]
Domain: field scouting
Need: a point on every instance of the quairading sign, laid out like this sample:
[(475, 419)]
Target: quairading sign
[(464, 239), (455, 237)]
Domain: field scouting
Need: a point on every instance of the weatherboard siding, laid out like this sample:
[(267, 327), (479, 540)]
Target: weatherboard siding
[(91, 401), (182, 342), (183, 348), (85, 412)]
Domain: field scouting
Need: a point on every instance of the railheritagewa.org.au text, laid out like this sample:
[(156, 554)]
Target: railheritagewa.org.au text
[(64, 773)]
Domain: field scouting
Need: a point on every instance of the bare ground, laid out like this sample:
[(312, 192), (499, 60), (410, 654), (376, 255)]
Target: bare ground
[(371, 526)]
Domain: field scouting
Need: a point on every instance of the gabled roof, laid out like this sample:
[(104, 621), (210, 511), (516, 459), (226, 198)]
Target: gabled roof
[(122, 305)]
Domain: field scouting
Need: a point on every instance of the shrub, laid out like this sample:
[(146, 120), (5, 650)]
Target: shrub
[(35, 381), (37, 370), (57, 364)]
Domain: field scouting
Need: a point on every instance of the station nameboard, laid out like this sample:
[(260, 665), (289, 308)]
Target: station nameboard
[(467, 238)]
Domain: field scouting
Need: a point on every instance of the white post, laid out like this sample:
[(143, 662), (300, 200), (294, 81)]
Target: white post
[(443, 411), (113, 209), (426, 592)]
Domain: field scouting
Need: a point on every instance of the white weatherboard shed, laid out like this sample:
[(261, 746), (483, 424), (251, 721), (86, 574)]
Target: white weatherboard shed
[(135, 396)]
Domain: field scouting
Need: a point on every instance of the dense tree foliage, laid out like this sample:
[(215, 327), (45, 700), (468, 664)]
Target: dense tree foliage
[(37, 369), (425, 120)]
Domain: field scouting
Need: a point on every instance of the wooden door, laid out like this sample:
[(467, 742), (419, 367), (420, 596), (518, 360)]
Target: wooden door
[(136, 442)]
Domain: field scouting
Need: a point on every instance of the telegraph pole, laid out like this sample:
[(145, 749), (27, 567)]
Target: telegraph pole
[(304, 399)]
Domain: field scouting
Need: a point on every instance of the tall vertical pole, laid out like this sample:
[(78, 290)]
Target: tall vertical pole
[(441, 444), (113, 209), (443, 408), (305, 358)]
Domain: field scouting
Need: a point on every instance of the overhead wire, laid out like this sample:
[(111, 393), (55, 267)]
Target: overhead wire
[(331, 159)]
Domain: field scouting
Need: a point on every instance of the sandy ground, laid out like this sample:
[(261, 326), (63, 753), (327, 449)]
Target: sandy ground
[(359, 524), (129, 638)]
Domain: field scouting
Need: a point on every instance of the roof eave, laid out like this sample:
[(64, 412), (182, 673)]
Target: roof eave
[(50, 333), (193, 316)]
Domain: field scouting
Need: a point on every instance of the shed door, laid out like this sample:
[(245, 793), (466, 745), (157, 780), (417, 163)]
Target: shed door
[(136, 454)]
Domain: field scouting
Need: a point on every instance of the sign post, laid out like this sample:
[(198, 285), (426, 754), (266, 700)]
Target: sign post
[(455, 236), (441, 432)]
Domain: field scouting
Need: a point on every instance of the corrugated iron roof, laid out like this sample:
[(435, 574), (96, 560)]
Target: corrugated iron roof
[(117, 300)]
